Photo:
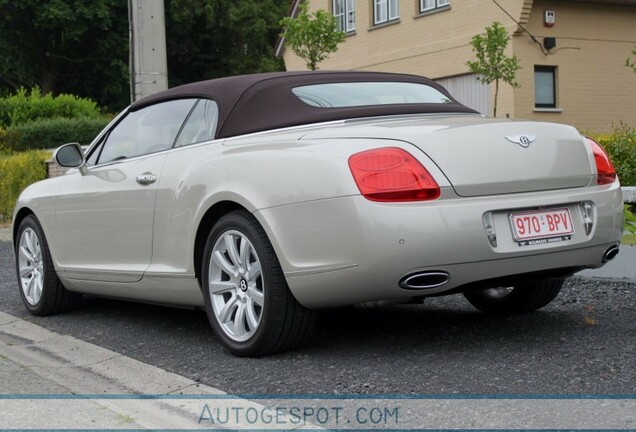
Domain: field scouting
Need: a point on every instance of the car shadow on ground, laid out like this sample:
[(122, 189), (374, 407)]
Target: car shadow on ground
[(440, 324)]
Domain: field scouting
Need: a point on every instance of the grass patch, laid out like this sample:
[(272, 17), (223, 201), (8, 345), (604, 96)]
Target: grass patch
[(629, 237)]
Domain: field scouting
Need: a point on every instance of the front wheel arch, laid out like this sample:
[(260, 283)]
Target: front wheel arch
[(41, 290), (19, 217)]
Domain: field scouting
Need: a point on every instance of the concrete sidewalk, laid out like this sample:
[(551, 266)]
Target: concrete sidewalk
[(41, 371), (52, 381)]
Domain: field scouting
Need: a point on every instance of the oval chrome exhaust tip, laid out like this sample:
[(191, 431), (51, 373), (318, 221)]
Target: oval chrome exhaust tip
[(424, 280), (610, 254)]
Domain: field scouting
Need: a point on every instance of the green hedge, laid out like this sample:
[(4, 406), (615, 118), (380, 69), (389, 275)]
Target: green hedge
[(16, 173), (49, 134), (22, 108), (621, 147)]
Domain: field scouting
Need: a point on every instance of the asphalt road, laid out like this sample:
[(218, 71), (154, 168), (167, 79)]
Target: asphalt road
[(583, 343)]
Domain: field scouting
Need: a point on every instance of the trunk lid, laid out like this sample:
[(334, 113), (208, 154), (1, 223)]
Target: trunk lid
[(482, 156)]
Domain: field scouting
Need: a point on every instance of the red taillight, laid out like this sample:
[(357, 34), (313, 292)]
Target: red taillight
[(606, 174), (392, 175)]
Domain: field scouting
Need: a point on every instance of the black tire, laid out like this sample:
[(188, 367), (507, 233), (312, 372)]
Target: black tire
[(283, 323), (525, 297), (54, 297)]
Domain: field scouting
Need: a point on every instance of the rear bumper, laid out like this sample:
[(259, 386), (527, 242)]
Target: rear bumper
[(353, 286), (349, 250)]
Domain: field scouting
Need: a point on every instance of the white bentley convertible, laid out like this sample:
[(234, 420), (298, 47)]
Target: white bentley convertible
[(264, 198)]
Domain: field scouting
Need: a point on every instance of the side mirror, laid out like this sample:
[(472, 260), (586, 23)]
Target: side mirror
[(71, 156)]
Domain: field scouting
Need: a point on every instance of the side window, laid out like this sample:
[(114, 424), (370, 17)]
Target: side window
[(201, 125), (147, 130), (92, 158)]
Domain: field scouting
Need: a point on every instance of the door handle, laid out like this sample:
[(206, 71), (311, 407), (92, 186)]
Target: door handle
[(146, 179)]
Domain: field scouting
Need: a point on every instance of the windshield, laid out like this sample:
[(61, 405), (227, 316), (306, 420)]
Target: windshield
[(337, 95)]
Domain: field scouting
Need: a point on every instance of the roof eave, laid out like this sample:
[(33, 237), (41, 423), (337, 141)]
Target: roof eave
[(293, 12)]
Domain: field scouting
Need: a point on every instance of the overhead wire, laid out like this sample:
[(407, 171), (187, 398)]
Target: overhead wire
[(534, 39)]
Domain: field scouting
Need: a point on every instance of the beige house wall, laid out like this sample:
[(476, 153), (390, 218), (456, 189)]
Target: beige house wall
[(594, 88), (593, 84)]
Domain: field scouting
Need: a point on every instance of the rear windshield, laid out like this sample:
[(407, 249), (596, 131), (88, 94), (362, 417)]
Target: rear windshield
[(339, 95)]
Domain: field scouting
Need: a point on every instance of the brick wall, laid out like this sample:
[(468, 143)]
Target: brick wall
[(53, 169)]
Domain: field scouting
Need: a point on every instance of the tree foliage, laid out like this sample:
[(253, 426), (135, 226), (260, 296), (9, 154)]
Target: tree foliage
[(312, 36), (215, 38), (65, 46), (492, 63), (631, 63), (81, 47)]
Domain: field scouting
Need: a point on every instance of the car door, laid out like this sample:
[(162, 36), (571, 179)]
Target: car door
[(105, 218)]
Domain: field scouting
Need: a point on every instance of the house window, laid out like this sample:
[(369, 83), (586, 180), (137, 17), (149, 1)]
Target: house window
[(345, 13), (384, 11), (429, 5), (545, 87)]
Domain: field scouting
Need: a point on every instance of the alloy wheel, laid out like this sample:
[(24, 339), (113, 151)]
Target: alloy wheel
[(236, 285), (31, 266)]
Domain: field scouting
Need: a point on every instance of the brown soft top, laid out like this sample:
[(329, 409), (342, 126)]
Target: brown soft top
[(258, 102)]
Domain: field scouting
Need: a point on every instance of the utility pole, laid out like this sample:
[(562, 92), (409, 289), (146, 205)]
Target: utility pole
[(148, 64)]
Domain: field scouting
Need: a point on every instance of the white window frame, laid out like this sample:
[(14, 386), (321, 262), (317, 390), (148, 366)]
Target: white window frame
[(436, 4), (345, 13), (385, 11)]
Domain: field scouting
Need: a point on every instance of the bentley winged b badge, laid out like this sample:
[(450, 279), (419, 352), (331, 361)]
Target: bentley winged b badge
[(523, 140)]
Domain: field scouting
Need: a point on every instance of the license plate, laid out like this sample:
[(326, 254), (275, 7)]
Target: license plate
[(542, 227)]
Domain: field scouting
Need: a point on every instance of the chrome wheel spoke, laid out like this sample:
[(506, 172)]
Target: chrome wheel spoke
[(252, 316), (28, 240), (26, 271), (244, 254), (225, 314), (239, 321), (219, 287), (254, 270), (26, 254), (256, 297), (230, 245), (29, 288), (219, 259)]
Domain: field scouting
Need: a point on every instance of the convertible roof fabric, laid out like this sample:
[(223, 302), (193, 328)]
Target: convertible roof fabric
[(253, 103)]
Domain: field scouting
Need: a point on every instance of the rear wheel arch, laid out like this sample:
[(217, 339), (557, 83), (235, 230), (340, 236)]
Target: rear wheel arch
[(211, 216), (248, 302)]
